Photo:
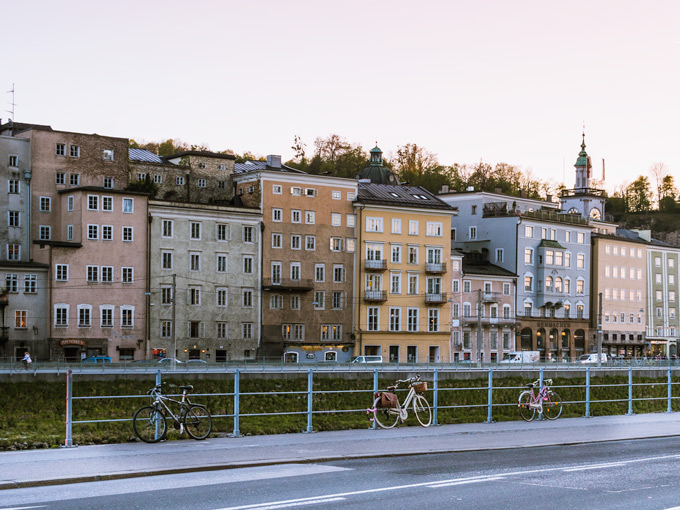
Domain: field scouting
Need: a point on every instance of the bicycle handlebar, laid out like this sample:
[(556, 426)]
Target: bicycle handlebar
[(412, 380), (546, 382)]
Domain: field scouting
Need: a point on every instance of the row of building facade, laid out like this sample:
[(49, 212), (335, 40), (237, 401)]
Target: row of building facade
[(234, 261)]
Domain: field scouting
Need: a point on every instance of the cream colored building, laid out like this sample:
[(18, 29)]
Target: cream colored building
[(403, 311), (619, 275)]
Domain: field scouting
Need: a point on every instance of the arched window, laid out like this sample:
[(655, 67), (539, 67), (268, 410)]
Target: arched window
[(548, 283), (526, 339), (580, 340), (540, 339), (558, 284)]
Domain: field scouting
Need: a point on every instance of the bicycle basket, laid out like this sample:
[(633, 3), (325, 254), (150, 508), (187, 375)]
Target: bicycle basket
[(420, 387)]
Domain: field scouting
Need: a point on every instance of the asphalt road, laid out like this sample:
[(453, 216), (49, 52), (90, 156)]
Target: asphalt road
[(640, 474)]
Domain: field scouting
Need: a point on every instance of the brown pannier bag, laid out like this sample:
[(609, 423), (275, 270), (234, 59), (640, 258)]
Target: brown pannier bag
[(387, 400)]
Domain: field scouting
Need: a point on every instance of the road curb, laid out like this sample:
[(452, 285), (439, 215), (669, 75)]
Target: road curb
[(13, 484)]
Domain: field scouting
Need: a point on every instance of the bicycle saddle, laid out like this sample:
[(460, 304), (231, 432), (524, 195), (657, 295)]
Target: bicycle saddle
[(186, 388), (391, 388), (530, 385)]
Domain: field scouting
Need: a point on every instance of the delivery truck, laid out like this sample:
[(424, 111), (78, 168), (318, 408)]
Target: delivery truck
[(522, 357)]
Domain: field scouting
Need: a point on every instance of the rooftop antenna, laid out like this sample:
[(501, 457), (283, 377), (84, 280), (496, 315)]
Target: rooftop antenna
[(12, 104)]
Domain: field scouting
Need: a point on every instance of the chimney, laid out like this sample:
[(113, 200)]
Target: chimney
[(522, 193), (499, 191), (445, 188), (548, 198), (274, 161), (470, 188)]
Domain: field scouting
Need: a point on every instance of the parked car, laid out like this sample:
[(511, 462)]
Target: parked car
[(590, 358), (97, 359), (368, 359), (196, 362), (169, 361)]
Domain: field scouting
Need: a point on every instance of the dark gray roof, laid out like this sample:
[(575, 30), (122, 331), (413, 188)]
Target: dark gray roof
[(486, 268), (205, 154), (254, 166), (144, 155), (405, 196)]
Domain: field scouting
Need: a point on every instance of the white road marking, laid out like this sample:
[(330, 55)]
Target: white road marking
[(444, 483), (23, 507), (595, 466), (268, 506), (463, 482)]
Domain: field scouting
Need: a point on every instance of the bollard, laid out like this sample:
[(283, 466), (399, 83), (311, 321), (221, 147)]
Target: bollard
[(435, 398), (68, 443), (310, 400), (587, 392), (237, 432), (630, 391), (489, 418)]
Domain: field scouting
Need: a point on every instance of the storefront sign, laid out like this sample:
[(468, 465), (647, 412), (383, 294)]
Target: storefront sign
[(72, 341)]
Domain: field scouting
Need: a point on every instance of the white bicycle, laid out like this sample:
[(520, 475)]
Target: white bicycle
[(387, 410)]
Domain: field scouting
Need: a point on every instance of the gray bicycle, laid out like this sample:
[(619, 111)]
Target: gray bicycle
[(150, 422)]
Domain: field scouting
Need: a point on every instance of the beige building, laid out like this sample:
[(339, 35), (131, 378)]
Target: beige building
[(307, 259), (619, 275), (402, 309)]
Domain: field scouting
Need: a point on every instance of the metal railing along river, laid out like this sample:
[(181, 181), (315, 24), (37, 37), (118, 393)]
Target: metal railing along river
[(504, 396)]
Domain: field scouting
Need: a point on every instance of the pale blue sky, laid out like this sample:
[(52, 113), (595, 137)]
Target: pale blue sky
[(468, 80)]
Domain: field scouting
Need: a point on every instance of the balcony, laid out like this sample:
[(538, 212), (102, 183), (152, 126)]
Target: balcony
[(286, 284), (491, 297), (471, 321), (376, 265), (435, 268), (438, 298), (375, 295)]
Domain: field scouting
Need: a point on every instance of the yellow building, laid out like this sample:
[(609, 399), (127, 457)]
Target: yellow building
[(402, 310)]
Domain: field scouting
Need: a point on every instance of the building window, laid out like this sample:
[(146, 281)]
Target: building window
[(60, 178), (127, 234), (45, 204), (45, 232), (74, 179), (276, 240), (61, 272), (30, 284), (107, 232), (127, 275), (221, 297), (413, 227), (221, 259), (222, 232), (92, 274), (412, 284), (296, 216), (434, 229), (433, 320), (247, 264), (12, 282), (127, 317), (336, 219), (107, 274), (195, 231), (310, 242), (14, 186), (472, 234), (395, 319), (310, 217), (166, 329), (319, 273), (374, 224), (373, 323), (61, 149), (194, 261), (128, 205), (194, 296), (84, 316), (13, 251), (351, 220), (336, 300), (277, 189), (93, 232), (319, 300), (295, 242), (248, 234), (92, 202), (337, 243), (295, 271), (166, 295), (413, 255), (166, 260), (277, 215), (167, 228), (201, 183), (247, 298), (61, 316), (75, 151), (179, 181), (276, 302)]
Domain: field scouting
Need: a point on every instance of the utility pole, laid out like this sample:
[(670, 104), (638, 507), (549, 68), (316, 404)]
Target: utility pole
[(174, 322), (599, 331)]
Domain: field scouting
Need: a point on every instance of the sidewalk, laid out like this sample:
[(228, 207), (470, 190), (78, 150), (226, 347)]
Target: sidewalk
[(30, 468)]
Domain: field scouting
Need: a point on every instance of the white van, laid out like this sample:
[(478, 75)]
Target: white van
[(590, 358), (367, 359)]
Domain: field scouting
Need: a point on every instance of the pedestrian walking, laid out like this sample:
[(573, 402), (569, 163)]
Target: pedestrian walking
[(27, 360)]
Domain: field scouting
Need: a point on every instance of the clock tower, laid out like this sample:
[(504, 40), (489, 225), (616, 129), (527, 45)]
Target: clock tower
[(584, 200)]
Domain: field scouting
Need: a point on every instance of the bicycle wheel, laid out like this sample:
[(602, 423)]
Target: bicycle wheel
[(149, 424), (525, 410), (198, 422), (421, 409), (552, 408), (385, 417)]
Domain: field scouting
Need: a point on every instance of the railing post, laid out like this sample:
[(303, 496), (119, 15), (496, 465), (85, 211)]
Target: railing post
[(630, 391), (587, 392), (435, 398), (489, 417), (375, 390), (670, 389), (237, 432), (68, 443), (540, 387), (310, 399)]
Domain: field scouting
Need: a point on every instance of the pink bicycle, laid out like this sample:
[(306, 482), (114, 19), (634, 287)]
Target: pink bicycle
[(546, 401)]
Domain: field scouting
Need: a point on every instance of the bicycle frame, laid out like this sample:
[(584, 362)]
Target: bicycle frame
[(402, 407), (162, 400)]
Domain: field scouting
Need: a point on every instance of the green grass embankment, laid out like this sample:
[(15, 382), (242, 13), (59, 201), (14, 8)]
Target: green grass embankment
[(33, 413)]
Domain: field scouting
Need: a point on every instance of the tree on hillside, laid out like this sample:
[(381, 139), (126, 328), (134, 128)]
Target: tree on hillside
[(658, 171), (638, 194), (331, 148), (413, 160), (668, 193)]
